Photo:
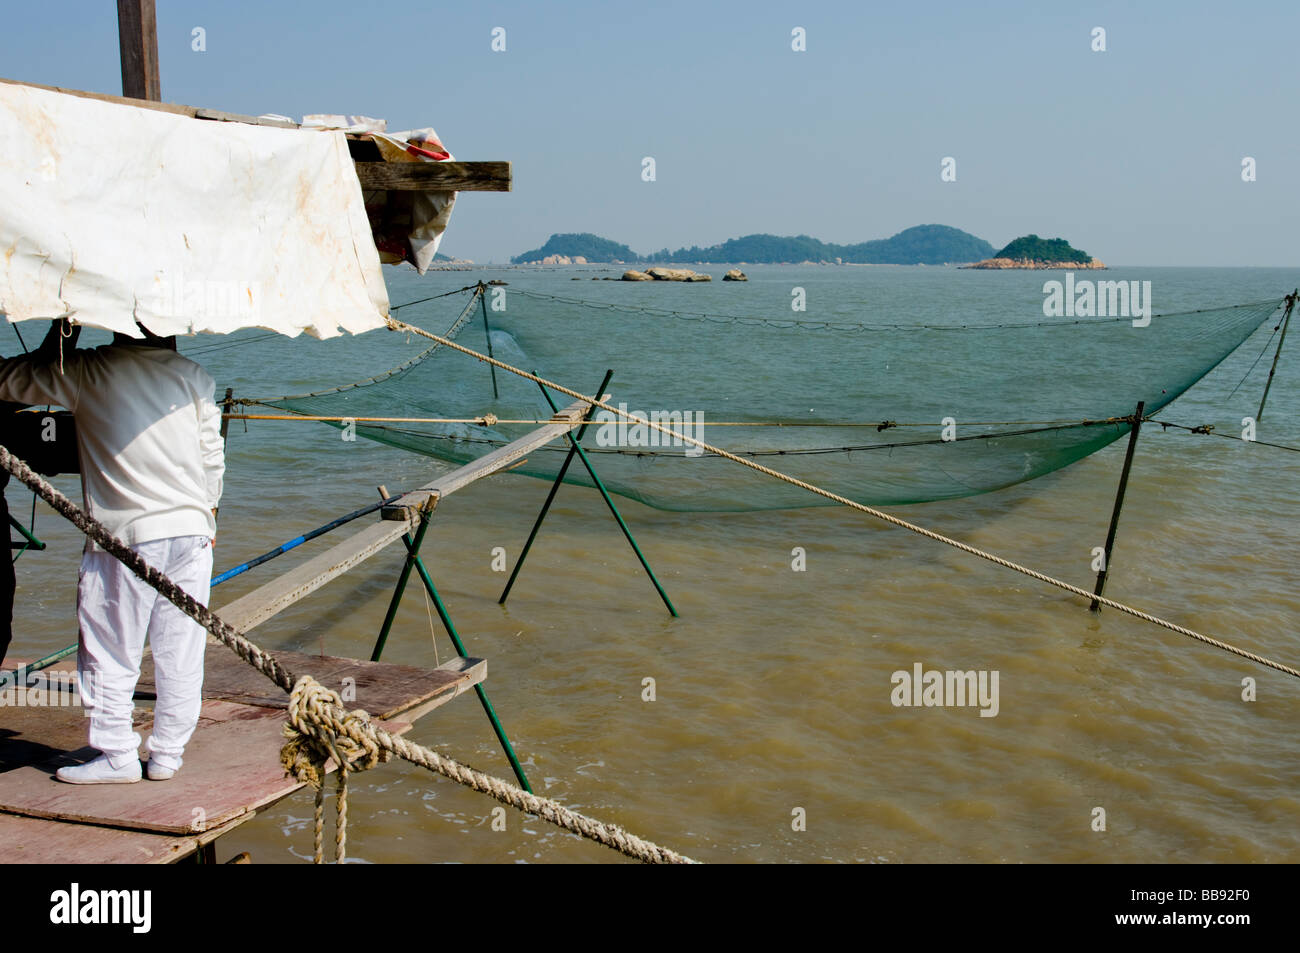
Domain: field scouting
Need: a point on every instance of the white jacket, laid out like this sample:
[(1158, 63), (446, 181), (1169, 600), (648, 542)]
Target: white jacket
[(148, 432)]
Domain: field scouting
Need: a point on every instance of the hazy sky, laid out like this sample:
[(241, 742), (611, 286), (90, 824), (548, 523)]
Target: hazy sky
[(1133, 154)]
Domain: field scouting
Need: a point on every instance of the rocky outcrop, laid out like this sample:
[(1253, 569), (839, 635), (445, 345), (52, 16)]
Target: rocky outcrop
[(735, 274), (998, 264), (634, 275), (676, 274), (558, 260)]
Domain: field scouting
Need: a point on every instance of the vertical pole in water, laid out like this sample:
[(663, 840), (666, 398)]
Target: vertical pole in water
[(227, 403), (1119, 503), (487, 331), (1286, 321), (550, 497), (137, 36)]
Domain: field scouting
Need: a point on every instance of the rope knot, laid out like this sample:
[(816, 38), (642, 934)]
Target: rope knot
[(320, 728), (488, 420)]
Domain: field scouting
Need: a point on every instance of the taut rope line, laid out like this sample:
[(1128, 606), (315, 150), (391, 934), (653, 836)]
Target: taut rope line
[(861, 507), (322, 726)]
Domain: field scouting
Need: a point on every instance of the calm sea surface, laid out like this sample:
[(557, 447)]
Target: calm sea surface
[(773, 688)]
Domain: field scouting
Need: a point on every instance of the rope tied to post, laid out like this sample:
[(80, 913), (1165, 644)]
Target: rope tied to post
[(319, 729)]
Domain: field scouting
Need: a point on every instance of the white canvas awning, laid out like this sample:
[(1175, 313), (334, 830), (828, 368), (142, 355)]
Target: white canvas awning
[(112, 213)]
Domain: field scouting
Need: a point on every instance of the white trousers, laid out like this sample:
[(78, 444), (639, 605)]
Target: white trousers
[(118, 611)]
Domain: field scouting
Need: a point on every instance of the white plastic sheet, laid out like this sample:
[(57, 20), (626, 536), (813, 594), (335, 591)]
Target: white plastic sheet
[(112, 214)]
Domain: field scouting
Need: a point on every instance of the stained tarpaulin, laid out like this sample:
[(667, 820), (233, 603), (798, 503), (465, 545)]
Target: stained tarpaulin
[(112, 213)]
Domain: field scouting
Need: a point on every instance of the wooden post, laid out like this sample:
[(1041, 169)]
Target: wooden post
[(1119, 503), (137, 34), (227, 405)]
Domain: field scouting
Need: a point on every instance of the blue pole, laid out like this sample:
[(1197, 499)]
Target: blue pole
[(299, 540)]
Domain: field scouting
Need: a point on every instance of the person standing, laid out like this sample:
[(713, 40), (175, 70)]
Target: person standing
[(152, 463)]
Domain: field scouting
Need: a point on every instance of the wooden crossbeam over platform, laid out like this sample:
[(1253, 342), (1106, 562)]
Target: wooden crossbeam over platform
[(390, 176), (262, 603)]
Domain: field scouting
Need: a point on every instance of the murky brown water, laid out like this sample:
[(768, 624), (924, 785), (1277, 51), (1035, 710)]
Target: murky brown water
[(773, 689)]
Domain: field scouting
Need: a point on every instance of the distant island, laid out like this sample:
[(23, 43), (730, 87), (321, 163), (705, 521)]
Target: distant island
[(1030, 251), (921, 245)]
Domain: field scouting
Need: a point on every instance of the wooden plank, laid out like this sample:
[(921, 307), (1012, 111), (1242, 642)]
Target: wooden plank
[(137, 35), (570, 418), (425, 176), (262, 603), (35, 840), (474, 671), (35, 735), (232, 768), (381, 688), (218, 115), (107, 98)]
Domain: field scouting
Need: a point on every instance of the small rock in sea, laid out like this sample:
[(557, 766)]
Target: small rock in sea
[(496, 281), (676, 274), (735, 274)]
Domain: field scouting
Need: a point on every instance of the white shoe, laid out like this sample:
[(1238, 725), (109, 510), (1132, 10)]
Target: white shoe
[(100, 771), (157, 772)]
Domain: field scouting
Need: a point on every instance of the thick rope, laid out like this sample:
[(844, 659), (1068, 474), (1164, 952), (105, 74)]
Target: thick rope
[(861, 507), (314, 734), (339, 730)]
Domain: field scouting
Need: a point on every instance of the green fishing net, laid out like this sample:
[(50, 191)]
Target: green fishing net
[(883, 415)]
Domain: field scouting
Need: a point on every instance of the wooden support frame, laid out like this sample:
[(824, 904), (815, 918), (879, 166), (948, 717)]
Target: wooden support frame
[(137, 36), (261, 604), (373, 175)]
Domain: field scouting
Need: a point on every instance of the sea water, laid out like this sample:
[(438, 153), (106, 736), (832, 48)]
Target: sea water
[(764, 723)]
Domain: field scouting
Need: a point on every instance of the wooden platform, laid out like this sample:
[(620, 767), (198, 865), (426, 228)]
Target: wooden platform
[(384, 690), (30, 840), (232, 767)]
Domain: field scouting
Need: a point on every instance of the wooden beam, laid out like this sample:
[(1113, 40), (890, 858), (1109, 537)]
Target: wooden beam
[(219, 116), (394, 176), (424, 176), (174, 108), (262, 603), (565, 420), (137, 34)]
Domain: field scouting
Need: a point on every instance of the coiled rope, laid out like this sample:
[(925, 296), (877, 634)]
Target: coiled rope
[(861, 507), (322, 728)]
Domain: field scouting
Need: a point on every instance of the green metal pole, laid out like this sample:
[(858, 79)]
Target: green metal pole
[(450, 626), (582, 455), (32, 541), (413, 560), (17, 676), (550, 497), (393, 603)]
